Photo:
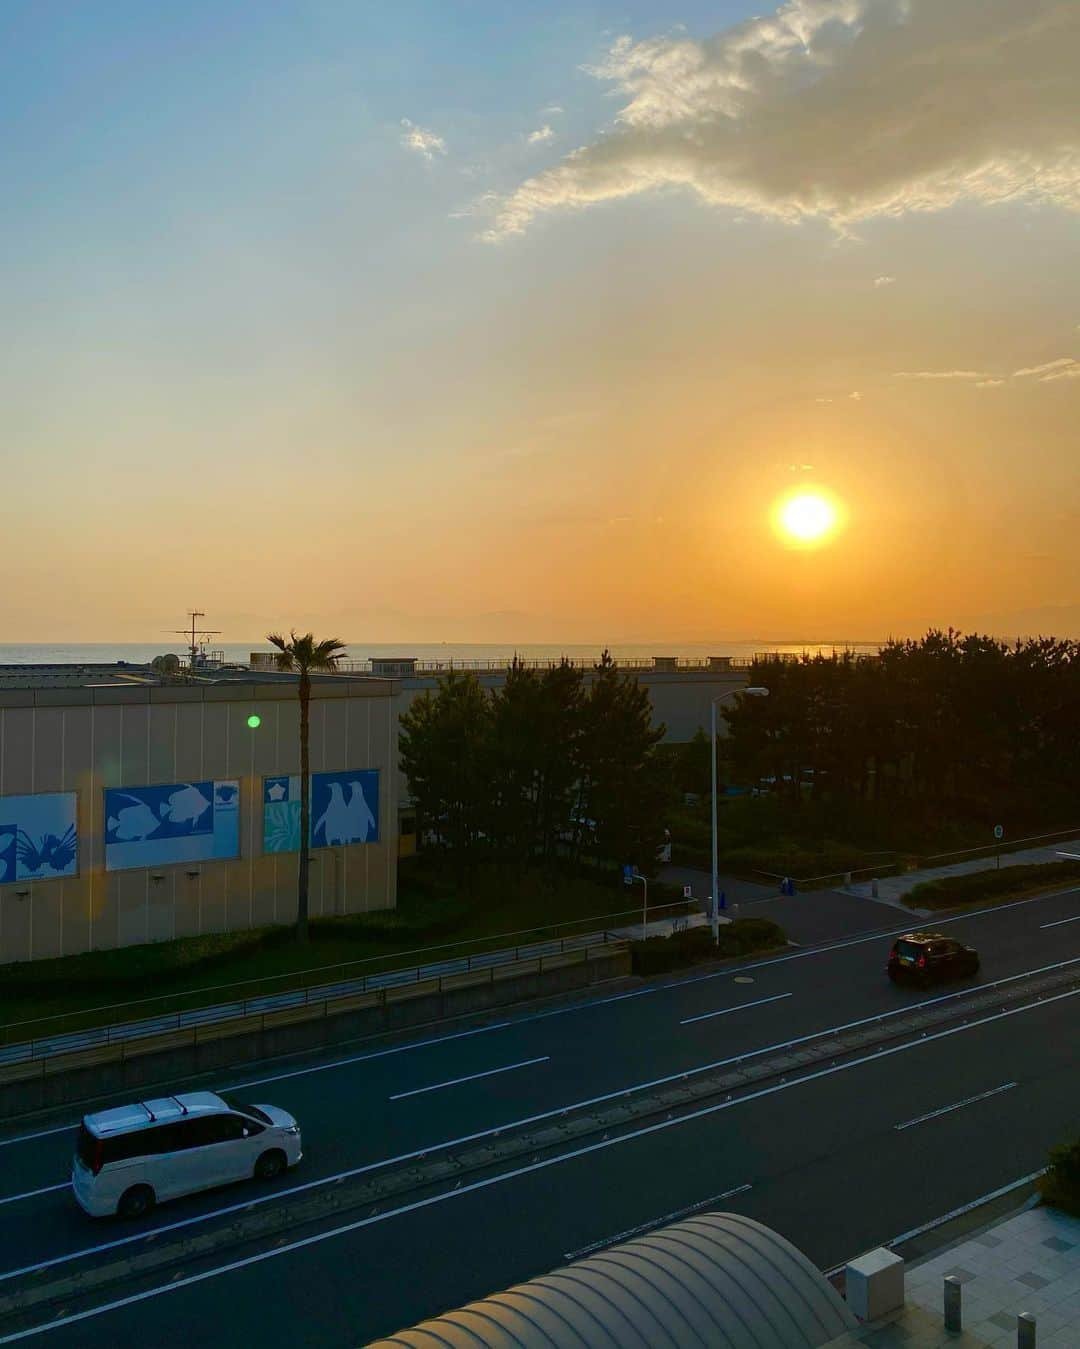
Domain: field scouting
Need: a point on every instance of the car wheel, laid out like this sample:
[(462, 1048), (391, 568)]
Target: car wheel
[(136, 1202), (270, 1165)]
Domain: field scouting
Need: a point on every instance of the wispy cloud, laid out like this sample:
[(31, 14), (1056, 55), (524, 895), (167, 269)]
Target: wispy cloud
[(856, 397), (940, 374), (552, 110), (1065, 367), (424, 142), (880, 281), (988, 383), (545, 133), (839, 109)]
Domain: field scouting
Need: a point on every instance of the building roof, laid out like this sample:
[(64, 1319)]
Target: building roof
[(717, 1280)]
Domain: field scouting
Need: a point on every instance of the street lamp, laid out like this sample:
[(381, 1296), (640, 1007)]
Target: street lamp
[(752, 692)]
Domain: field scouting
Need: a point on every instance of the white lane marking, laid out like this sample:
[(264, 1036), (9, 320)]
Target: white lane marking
[(490, 1181), (41, 1133), (923, 1228), (512, 1124), (739, 1007), (1060, 922), (823, 950), (370, 1054), (29, 1194), (958, 1105), (605, 1242), (473, 1077)]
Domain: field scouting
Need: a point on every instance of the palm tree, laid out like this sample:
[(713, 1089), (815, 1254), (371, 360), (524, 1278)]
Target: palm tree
[(301, 655)]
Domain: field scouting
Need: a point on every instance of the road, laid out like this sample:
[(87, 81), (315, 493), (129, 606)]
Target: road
[(820, 1156)]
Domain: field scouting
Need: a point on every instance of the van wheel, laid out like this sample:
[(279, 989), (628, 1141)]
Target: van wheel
[(136, 1202), (270, 1165)]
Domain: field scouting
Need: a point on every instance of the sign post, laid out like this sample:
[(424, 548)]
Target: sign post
[(999, 834), (630, 875)]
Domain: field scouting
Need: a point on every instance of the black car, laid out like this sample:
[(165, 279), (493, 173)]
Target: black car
[(926, 957)]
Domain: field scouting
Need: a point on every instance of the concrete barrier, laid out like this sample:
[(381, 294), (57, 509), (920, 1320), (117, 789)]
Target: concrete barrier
[(136, 1064)]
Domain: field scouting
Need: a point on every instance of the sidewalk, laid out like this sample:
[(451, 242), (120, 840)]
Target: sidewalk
[(892, 888), (1027, 1263)]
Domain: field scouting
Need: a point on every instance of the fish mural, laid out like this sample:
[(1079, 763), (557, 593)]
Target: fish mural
[(134, 821), (38, 837), (170, 823), (185, 806)]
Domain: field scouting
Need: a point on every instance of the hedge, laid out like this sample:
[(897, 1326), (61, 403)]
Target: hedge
[(978, 886), (1060, 1186), (744, 936)]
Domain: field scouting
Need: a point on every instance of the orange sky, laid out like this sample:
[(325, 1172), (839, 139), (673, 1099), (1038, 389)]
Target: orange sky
[(557, 399)]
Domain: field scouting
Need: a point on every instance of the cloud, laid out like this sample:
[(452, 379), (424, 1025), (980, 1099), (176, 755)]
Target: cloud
[(855, 397), (1063, 368), (552, 110), (988, 383), (837, 109), (940, 374), (424, 142), (822, 400), (880, 281), (545, 133)]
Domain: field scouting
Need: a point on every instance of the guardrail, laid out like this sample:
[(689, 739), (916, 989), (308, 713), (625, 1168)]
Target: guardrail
[(324, 995), (30, 1039)]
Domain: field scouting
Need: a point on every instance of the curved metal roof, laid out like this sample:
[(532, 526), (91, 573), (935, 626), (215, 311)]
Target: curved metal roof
[(717, 1280)]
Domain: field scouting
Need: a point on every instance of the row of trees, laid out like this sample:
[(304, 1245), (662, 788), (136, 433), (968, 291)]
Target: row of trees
[(552, 765), (979, 727)]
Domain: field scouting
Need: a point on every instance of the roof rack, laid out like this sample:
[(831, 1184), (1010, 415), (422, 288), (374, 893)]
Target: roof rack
[(179, 1102), (153, 1117)]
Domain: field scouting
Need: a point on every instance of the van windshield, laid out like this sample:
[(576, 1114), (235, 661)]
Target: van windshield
[(242, 1108)]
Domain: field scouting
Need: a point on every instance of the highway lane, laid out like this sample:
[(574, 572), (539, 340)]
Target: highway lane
[(379, 1103), (840, 1160)]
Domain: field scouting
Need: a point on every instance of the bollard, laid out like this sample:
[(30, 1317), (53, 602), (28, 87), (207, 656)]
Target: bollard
[(954, 1315), (1025, 1331), (873, 888)]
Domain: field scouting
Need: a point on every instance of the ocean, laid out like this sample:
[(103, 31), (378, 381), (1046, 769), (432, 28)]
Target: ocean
[(464, 653)]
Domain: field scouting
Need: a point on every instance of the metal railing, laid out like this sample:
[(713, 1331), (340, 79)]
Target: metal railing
[(43, 1036), (1000, 846), (636, 666)]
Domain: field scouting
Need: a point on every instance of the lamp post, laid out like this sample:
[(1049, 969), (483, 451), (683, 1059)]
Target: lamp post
[(752, 692)]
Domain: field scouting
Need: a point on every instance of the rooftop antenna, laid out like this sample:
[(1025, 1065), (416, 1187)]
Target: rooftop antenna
[(196, 635)]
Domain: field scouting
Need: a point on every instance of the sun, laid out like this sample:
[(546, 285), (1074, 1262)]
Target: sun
[(806, 519)]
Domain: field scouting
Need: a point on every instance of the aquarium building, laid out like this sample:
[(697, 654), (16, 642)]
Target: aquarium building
[(135, 811)]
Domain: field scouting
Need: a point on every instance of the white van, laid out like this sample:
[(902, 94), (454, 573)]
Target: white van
[(129, 1158)]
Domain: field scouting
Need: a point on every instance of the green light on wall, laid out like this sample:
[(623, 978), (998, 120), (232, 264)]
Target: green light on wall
[(254, 721)]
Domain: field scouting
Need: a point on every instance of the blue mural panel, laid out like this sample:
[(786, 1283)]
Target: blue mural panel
[(344, 809), (38, 837), (179, 822)]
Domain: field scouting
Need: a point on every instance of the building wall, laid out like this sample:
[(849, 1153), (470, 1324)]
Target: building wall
[(84, 740)]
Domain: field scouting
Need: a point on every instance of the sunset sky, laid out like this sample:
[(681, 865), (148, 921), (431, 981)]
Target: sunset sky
[(487, 321)]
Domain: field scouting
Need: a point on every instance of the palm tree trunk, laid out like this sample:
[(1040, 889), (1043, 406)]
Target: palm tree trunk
[(305, 810)]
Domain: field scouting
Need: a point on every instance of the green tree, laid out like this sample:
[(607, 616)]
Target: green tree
[(446, 753), (621, 787), (302, 655)]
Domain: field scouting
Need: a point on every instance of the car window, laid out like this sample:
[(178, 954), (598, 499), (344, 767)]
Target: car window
[(911, 949)]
